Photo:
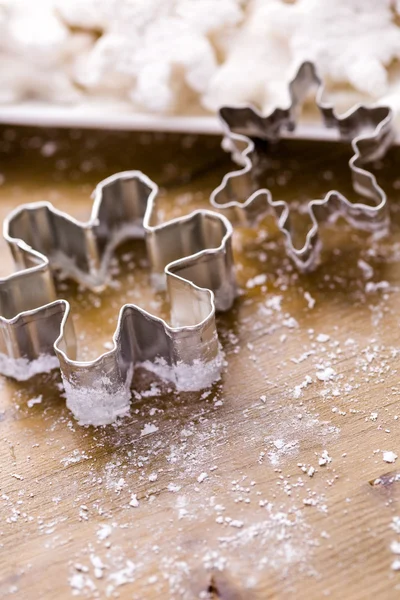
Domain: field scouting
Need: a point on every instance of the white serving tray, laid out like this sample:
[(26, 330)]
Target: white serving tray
[(119, 116), (106, 116)]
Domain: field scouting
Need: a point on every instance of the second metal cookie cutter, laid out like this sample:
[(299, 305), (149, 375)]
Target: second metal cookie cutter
[(239, 196), (191, 254)]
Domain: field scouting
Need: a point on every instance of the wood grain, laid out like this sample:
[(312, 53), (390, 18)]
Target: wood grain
[(259, 526)]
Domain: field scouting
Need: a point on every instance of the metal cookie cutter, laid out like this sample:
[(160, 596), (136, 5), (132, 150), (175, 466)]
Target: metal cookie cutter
[(370, 132), (191, 254)]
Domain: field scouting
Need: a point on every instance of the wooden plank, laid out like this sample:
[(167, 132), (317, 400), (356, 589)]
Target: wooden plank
[(262, 523)]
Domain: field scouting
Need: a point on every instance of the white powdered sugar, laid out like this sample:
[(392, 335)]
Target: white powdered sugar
[(23, 369), (389, 456), (325, 373), (148, 429), (95, 405), (109, 399), (187, 377)]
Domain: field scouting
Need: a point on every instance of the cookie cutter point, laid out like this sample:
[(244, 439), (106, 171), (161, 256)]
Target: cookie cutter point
[(190, 255), (370, 131)]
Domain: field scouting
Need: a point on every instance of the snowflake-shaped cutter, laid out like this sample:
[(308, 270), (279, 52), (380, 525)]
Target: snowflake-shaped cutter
[(368, 128), (192, 255)]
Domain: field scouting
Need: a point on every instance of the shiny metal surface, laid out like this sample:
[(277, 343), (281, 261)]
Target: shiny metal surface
[(191, 256), (370, 132)]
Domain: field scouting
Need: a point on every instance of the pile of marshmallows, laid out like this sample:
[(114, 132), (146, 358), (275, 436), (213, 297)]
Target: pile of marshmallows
[(192, 56)]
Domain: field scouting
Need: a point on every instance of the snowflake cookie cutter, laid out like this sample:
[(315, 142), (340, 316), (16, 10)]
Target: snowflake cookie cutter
[(370, 131), (190, 255)]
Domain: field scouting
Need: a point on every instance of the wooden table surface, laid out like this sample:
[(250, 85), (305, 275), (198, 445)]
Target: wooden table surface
[(273, 483)]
